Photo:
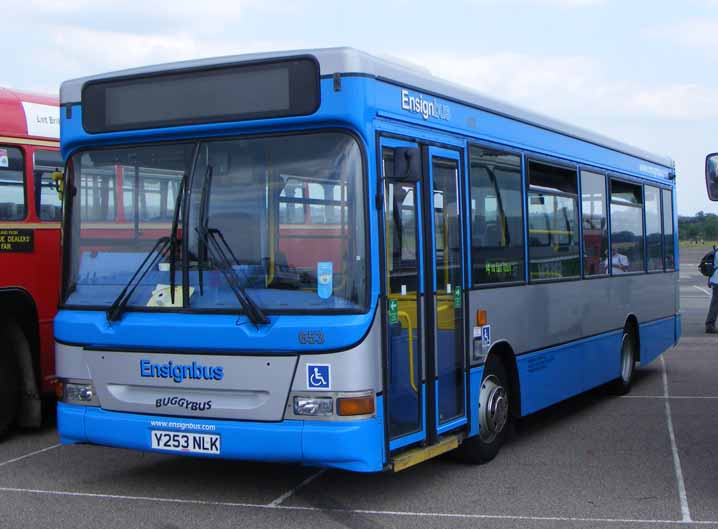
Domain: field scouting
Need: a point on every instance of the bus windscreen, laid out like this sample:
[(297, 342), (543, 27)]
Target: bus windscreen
[(227, 93)]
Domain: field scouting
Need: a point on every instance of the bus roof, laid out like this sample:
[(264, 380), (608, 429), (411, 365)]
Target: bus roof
[(347, 61)]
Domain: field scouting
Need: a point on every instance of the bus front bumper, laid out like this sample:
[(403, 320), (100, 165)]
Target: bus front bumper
[(350, 445)]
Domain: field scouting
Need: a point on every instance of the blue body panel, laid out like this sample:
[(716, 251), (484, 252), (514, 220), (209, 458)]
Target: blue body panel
[(505, 130), (551, 375), (208, 332), (656, 337), (351, 445)]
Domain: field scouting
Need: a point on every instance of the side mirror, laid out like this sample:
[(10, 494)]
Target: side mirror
[(712, 176), (407, 164)]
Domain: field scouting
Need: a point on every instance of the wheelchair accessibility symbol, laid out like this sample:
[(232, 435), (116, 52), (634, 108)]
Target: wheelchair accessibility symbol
[(319, 376)]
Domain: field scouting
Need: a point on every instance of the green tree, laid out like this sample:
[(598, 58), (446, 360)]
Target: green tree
[(710, 228)]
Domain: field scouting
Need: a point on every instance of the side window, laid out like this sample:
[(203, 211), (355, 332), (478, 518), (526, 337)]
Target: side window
[(553, 222), (595, 223), (626, 228), (668, 229), (497, 221), (12, 184), (47, 168), (654, 234)]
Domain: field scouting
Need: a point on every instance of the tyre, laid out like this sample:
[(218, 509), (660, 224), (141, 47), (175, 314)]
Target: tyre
[(494, 416), (622, 384), (9, 379)]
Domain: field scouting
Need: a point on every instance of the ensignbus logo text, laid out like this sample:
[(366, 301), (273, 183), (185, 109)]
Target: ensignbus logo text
[(180, 372)]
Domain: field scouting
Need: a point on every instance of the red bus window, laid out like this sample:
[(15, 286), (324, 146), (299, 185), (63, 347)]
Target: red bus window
[(12, 184), (48, 198)]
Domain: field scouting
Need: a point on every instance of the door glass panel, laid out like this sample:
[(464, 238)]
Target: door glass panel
[(448, 295), (402, 286)]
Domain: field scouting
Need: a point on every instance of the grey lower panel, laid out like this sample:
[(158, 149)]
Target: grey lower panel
[(535, 316), (356, 369), (250, 387)]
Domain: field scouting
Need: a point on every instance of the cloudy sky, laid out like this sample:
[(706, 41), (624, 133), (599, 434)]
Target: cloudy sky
[(642, 71)]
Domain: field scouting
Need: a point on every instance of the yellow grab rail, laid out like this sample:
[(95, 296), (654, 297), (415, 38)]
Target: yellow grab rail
[(412, 381)]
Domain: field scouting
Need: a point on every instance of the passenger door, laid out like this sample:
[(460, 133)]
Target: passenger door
[(424, 334), (404, 293)]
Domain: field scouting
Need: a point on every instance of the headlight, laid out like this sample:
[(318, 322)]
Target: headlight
[(78, 392), (313, 406)]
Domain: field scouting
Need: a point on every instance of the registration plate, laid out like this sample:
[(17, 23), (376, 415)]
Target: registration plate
[(197, 443)]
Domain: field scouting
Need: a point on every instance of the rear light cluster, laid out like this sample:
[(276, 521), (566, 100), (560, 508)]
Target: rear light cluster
[(326, 406)]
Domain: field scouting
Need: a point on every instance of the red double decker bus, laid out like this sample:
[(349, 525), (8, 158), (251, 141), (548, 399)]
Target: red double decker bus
[(30, 212)]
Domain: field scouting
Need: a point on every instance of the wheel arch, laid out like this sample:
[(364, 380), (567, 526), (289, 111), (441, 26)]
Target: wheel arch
[(505, 353)]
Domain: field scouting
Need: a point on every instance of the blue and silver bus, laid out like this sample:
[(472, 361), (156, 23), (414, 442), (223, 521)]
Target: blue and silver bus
[(329, 258)]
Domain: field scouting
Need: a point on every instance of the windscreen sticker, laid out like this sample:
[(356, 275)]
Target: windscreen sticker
[(325, 279), (4, 159), (161, 296)]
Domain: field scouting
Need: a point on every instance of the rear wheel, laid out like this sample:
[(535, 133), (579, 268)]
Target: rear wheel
[(493, 417), (9, 377), (622, 384)]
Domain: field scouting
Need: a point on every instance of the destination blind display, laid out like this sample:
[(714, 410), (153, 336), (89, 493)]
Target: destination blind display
[(16, 241), (227, 93)]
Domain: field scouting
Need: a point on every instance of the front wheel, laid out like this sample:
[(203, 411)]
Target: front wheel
[(494, 415)]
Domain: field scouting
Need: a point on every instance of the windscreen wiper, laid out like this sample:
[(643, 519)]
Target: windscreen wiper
[(210, 237), (114, 313), (173, 237), (203, 223)]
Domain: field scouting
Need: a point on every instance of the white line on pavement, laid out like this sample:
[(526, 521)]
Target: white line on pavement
[(36, 452), (279, 500), (704, 290), (683, 497), (376, 512), (672, 397)]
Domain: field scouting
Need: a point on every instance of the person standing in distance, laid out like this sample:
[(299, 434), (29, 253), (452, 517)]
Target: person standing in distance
[(713, 308)]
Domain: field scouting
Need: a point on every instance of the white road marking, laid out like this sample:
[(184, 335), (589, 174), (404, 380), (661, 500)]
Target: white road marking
[(682, 496), (280, 499), (415, 514), (36, 452), (672, 397), (704, 290)]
